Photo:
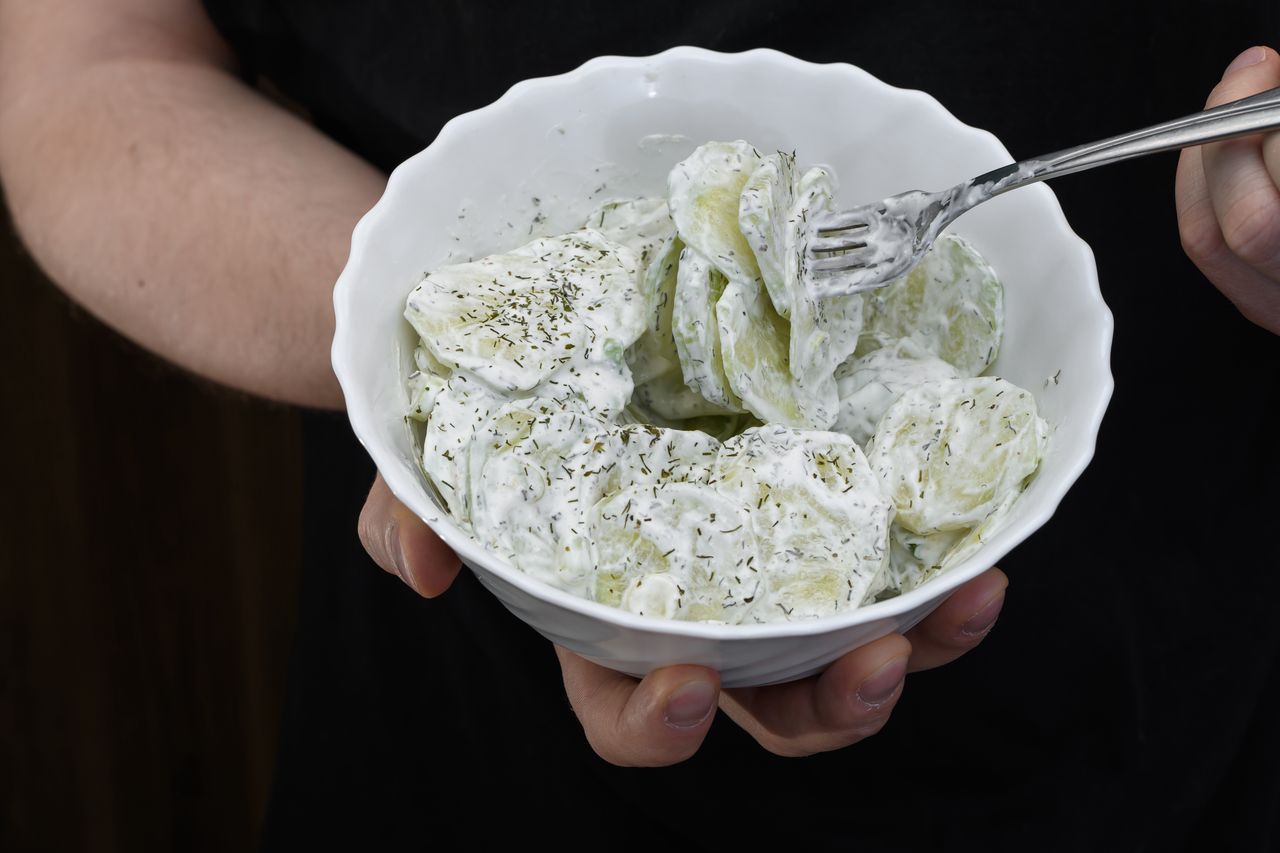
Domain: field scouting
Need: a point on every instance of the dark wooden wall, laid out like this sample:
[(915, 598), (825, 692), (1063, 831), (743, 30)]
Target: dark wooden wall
[(149, 541)]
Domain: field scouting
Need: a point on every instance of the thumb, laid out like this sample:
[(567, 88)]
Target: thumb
[(401, 544), (659, 720)]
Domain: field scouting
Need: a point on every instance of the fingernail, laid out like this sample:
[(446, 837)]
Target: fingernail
[(1252, 56), (880, 687), (396, 552), (981, 622), (690, 705)]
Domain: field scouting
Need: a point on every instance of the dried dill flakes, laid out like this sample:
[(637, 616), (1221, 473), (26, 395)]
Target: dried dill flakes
[(534, 362)]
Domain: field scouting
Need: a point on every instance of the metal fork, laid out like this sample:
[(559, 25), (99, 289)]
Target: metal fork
[(868, 247)]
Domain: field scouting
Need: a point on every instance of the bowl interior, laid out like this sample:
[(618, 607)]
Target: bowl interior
[(539, 159)]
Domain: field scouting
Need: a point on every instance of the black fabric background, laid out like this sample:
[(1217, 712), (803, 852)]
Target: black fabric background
[(1128, 698)]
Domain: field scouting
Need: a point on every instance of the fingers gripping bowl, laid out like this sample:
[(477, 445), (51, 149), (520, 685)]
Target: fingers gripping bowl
[(550, 150)]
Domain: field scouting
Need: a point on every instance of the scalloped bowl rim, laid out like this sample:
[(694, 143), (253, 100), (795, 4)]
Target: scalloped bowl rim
[(409, 492)]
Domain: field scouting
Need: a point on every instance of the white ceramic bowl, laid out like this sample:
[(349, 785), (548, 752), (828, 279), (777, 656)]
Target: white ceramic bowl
[(551, 149)]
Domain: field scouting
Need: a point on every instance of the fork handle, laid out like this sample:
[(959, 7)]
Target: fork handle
[(1254, 114)]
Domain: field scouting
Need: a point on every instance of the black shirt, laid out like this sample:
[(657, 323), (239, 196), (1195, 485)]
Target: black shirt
[(1129, 698)]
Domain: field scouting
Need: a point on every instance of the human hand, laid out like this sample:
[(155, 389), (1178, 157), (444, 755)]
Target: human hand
[(663, 718), (1228, 200)]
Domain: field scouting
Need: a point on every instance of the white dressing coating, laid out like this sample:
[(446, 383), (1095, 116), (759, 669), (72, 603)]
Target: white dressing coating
[(643, 225), (661, 392), (818, 512), (949, 452), (465, 405), (915, 558), (424, 384), (645, 455), (870, 384), (754, 342), (536, 470), (703, 192), (698, 541), (774, 215), (747, 345), (824, 331), (637, 412), (967, 545), (462, 407), (731, 207), (699, 287), (514, 319), (654, 352), (654, 594), (765, 204), (951, 303)]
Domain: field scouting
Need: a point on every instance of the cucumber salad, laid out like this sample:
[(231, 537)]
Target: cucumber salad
[(655, 412)]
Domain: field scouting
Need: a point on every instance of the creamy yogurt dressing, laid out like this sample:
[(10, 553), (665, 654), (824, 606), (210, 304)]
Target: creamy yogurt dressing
[(818, 512), (869, 385), (636, 412)]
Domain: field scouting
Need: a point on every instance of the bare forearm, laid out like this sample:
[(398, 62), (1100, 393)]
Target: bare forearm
[(192, 215)]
